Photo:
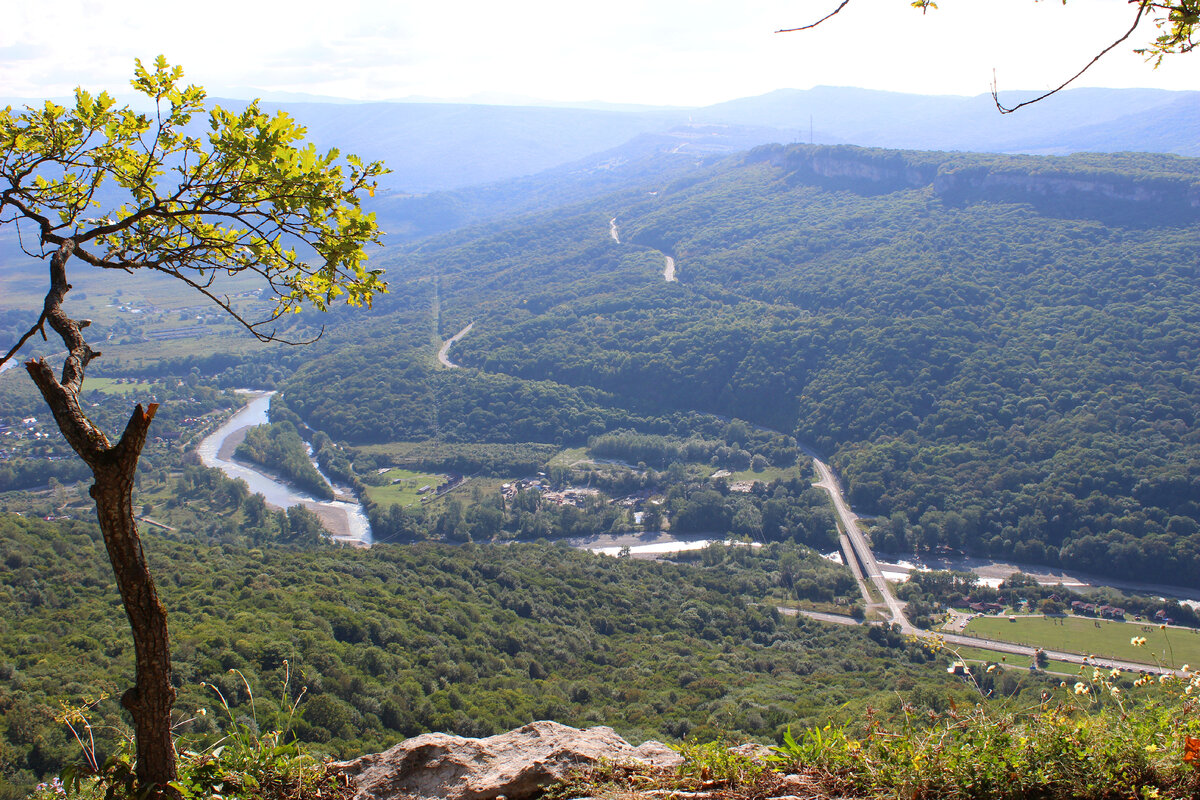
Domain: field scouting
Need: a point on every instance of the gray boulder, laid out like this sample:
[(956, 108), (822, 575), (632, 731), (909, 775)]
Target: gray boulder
[(515, 765)]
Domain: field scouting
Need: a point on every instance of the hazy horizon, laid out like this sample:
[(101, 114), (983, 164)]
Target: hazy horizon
[(667, 53)]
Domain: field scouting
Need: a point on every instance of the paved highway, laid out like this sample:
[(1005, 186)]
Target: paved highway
[(870, 572), (870, 567), (444, 353)]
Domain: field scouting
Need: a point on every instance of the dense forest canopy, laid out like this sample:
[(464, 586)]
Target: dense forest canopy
[(995, 350), (399, 640), (996, 354)]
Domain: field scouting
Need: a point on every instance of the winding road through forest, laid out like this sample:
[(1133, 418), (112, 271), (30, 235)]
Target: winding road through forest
[(669, 274), (444, 353), (859, 556), (669, 270)]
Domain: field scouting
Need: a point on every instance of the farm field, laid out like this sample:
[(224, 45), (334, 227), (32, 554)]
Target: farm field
[(1172, 647), (25, 278), (519, 458)]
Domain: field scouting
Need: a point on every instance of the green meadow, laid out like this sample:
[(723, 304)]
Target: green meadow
[(1172, 647), (404, 487)]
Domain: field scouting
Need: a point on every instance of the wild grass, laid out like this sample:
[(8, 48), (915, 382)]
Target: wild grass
[(1087, 740), (1096, 737), (245, 763)]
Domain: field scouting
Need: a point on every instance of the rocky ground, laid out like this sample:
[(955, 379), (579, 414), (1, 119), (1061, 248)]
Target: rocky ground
[(554, 761)]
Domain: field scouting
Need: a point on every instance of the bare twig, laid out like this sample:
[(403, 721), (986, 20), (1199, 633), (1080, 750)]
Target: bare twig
[(1003, 109), (1142, 6), (37, 328), (833, 13)]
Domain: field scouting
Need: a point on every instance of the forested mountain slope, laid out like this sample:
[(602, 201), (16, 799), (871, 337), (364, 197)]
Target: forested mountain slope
[(393, 641), (998, 352)]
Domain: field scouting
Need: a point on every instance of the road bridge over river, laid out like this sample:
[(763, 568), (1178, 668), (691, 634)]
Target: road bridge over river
[(867, 571)]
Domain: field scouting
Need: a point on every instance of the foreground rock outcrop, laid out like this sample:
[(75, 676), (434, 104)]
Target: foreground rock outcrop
[(515, 765)]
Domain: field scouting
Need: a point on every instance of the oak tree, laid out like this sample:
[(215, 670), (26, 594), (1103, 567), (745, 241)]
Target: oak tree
[(99, 186)]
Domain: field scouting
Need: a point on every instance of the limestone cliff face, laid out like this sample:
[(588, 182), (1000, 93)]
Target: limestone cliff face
[(1127, 189), (886, 170), (1115, 187), (881, 171)]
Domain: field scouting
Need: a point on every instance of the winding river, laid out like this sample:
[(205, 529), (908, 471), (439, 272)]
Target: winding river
[(346, 521)]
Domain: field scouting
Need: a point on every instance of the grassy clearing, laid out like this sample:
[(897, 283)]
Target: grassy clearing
[(388, 448), (110, 386), (1105, 639), (405, 487), (570, 457), (431, 455), (984, 655), (766, 476)]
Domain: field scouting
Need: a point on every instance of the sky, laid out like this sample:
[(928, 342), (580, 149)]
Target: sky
[(654, 52)]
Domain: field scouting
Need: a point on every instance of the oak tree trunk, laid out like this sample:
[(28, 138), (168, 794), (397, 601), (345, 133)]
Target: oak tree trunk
[(150, 700)]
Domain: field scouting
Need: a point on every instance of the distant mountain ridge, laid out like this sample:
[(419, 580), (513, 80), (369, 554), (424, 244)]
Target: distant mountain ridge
[(1097, 120), (433, 146), (437, 146), (456, 164)]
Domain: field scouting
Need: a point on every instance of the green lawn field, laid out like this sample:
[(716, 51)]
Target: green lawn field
[(110, 386), (389, 448), (570, 457), (1173, 647), (769, 474), (1012, 660), (405, 489)]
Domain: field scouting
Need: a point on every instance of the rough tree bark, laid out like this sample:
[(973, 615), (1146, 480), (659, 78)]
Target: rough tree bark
[(240, 201), (150, 700)]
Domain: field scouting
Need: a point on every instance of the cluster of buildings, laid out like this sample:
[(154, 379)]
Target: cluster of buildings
[(26, 428), (429, 491), (986, 608), (637, 499), (1092, 610), (563, 497), (571, 496)]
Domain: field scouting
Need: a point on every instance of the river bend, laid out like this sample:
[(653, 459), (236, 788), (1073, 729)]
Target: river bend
[(346, 521)]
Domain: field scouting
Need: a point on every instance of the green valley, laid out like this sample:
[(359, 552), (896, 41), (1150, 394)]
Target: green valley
[(994, 353)]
